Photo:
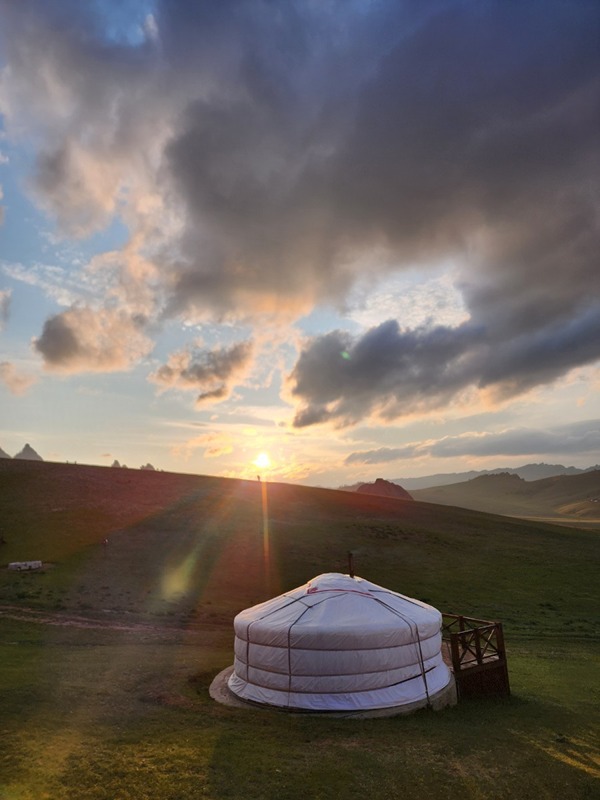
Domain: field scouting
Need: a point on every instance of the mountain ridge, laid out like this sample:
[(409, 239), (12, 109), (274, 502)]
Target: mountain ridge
[(559, 496), (529, 472)]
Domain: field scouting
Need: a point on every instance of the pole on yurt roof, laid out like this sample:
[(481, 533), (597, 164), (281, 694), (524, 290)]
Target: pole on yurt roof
[(350, 563)]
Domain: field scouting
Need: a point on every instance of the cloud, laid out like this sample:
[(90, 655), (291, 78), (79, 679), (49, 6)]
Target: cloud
[(82, 339), (16, 382), (58, 283), (381, 456), (5, 297), (573, 439), (387, 371), (213, 445), (261, 160), (213, 373), (393, 373), (412, 301)]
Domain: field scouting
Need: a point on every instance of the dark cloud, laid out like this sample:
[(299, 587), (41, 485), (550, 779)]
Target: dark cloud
[(58, 342), (389, 371), (212, 372), (478, 137), (474, 136), (395, 373), (88, 340), (264, 157), (468, 132), (573, 439), (517, 363)]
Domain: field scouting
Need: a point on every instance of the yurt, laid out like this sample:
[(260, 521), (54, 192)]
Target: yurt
[(340, 644)]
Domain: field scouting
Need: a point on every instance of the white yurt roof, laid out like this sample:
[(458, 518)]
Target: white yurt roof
[(338, 643)]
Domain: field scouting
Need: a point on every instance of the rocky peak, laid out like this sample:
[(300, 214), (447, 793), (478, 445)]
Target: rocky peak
[(383, 488), (29, 454)]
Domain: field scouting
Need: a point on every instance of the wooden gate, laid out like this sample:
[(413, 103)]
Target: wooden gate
[(478, 657)]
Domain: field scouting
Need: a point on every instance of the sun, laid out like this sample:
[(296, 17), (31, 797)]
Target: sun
[(262, 461)]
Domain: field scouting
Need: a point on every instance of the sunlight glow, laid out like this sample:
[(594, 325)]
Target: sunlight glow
[(176, 581), (262, 461)]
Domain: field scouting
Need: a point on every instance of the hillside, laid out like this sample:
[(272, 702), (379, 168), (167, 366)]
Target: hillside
[(180, 544), (563, 498), (107, 654)]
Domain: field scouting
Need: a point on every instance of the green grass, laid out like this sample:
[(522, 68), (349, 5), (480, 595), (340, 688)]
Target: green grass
[(99, 712), (88, 716)]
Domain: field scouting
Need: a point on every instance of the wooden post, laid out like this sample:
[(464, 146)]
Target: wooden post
[(478, 646), (502, 654), (455, 653)]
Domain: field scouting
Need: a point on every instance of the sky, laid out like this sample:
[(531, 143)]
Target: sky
[(358, 236)]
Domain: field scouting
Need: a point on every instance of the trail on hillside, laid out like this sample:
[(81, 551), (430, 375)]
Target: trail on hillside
[(68, 620)]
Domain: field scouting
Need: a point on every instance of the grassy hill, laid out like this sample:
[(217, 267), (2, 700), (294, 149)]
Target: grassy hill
[(106, 656), (573, 499), (184, 544)]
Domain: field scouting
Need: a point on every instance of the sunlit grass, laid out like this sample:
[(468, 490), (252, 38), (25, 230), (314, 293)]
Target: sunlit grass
[(87, 717)]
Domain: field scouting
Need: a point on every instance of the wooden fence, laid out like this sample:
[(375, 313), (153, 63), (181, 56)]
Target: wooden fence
[(478, 656)]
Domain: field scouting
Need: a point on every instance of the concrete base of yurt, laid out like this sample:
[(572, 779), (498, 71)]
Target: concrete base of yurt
[(220, 691)]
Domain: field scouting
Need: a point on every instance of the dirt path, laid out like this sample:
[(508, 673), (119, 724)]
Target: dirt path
[(68, 620)]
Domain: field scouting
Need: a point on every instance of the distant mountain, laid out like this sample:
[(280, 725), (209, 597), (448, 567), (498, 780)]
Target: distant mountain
[(576, 496), (383, 488), (3, 454), (529, 472), (29, 454)]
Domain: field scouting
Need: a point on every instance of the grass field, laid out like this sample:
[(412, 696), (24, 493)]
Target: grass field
[(106, 656)]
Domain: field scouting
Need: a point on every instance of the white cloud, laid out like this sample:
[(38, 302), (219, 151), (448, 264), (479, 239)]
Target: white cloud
[(63, 285), (16, 381), (412, 299)]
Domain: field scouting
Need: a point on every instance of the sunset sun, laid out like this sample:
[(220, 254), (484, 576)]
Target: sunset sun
[(262, 461)]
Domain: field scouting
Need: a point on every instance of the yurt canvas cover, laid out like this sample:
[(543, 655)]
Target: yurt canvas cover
[(338, 643)]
